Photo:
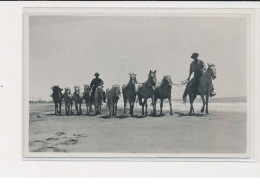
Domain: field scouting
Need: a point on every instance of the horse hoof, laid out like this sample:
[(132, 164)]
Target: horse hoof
[(171, 113), (202, 110)]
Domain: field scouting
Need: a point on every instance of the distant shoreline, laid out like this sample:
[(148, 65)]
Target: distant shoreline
[(198, 99)]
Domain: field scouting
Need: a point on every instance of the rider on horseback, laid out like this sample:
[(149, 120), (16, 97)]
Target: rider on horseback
[(94, 84), (198, 67)]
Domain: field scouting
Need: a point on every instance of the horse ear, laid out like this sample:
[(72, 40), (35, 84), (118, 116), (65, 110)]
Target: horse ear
[(52, 87), (154, 71)]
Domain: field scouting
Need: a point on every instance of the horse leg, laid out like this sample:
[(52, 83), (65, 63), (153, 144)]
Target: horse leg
[(76, 106), (66, 108), (132, 108), (170, 103), (143, 109), (99, 108), (109, 109), (155, 100), (71, 107), (113, 109), (203, 101), (145, 102), (96, 109), (59, 108), (80, 111), (125, 100), (56, 107), (161, 106), (116, 108), (191, 104), (207, 103)]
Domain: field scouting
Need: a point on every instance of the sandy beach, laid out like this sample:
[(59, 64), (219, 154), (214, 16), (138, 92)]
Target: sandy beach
[(221, 131)]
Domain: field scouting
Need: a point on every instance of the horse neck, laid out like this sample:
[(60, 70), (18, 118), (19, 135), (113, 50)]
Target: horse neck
[(57, 94), (131, 83), (147, 82), (87, 91), (207, 76)]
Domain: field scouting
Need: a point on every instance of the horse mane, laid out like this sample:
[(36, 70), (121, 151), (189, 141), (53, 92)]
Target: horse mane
[(116, 86), (211, 64), (86, 85)]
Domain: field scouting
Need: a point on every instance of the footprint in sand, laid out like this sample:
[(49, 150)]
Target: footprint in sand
[(49, 149), (52, 139), (70, 141), (60, 133), (80, 135), (36, 142)]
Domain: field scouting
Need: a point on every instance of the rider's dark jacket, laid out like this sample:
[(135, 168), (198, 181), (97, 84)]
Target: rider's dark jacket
[(95, 83), (197, 67)]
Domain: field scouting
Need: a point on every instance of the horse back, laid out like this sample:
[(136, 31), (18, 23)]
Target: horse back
[(145, 92), (129, 93)]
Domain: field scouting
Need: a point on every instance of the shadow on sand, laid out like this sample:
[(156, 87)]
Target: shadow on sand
[(122, 117), (187, 114), (52, 114)]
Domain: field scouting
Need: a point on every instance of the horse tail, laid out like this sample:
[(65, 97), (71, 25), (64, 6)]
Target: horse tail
[(184, 96)]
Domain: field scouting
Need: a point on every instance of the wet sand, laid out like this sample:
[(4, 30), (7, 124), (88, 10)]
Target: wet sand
[(217, 132)]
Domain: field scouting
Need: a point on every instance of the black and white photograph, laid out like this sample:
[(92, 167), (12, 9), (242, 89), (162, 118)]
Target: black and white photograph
[(143, 83)]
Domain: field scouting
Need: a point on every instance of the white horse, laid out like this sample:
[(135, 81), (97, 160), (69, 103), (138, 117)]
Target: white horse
[(205, 86), (113, 96), (68, 101), (98, 99)]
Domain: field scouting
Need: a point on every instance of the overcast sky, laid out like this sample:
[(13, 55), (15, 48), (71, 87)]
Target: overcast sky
[(68, 50)]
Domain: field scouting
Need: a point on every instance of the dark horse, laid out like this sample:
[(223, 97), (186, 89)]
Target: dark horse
[(163, 91), (203, 89), (146, 91), (57, 98), (129, 93)]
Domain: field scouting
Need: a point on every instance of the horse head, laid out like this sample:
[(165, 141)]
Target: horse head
[(133, 78), (67, 90), (152, 78), (212, 70), (76, 90), (167, 80), (116, 90), (87, 88), (56, 89)]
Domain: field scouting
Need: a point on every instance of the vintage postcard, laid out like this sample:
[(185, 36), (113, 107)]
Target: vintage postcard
[(137, 83)]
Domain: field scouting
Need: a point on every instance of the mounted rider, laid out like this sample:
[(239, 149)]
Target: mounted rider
[(198, 67), (94, 84)]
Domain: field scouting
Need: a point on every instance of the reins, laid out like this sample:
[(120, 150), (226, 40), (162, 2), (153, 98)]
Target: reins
[(179, 85)]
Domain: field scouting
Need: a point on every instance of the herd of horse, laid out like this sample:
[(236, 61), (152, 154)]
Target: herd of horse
[(133, 92)]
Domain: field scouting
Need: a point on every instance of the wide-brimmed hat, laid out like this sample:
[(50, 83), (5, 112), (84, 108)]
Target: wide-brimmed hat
[(96, 74), (194, 55)]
